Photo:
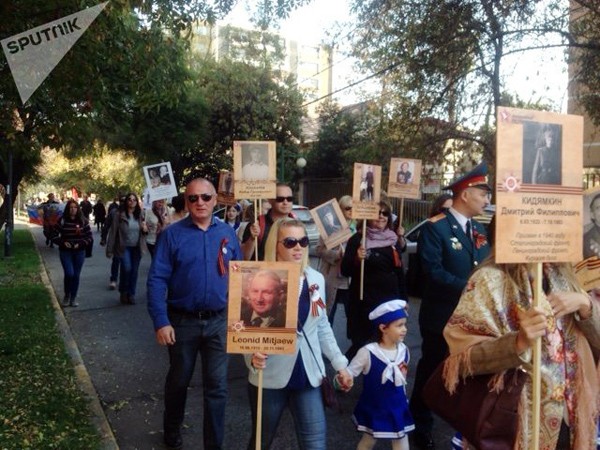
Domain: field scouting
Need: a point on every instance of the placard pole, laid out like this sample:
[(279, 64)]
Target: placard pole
[(256, 206), (362, 261), (259, 409), (536, 384)]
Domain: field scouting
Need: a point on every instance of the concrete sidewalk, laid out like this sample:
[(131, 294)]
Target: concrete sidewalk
[(128, 368)]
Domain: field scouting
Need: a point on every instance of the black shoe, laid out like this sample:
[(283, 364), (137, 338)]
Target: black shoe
[(424, 441), (173, 440)]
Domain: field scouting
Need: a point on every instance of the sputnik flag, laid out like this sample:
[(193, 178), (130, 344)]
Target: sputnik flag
[(33, 54)]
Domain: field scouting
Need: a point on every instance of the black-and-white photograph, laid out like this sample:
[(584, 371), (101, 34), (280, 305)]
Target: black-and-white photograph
[(542, 153)]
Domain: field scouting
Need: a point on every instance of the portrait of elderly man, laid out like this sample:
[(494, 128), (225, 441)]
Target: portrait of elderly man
[(264, 301)]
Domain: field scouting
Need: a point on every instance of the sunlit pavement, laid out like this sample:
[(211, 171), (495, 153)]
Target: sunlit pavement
[(128, 368)]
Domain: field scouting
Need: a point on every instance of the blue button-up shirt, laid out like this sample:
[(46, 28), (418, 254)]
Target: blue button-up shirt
[(184, 273)]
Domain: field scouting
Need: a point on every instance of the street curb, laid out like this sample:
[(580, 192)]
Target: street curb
[(98, 418)]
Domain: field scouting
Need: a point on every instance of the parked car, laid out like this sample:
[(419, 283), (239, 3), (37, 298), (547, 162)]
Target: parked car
[(410, 259), (302, 213)]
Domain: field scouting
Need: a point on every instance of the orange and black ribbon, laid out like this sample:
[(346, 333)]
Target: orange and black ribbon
[(221, 259)]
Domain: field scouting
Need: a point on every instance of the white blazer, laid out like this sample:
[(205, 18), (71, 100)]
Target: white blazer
[(318, 331)]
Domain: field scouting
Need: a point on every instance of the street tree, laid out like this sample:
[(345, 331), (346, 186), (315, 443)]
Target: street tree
[(129, 63), (443, 61)]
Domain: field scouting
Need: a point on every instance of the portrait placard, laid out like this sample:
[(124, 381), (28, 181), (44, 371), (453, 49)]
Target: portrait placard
[(405, 178), (160, 181), (588, 270), (225, 188), (254, 169), (331, 223), (538, 186), (262, 312), (366, 191)]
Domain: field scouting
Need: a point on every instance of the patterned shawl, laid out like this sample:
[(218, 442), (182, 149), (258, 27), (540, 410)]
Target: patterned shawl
[(488, 310)]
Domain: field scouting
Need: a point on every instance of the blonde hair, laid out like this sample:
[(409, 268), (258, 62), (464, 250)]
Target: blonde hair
[(345, 200), (273, 238)]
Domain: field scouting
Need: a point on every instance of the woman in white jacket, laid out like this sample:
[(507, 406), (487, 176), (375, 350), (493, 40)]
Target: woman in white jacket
[(293, 380)]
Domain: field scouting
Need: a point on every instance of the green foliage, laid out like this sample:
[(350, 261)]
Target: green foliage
[(42, 407), (127, 67), (338, 133)]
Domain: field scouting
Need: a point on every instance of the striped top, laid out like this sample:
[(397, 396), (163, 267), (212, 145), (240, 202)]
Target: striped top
[(74, 232)]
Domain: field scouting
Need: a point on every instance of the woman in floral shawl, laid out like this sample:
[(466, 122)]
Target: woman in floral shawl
[(493, 328)]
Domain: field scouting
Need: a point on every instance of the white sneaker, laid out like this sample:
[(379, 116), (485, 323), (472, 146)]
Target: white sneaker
[(112, 285)]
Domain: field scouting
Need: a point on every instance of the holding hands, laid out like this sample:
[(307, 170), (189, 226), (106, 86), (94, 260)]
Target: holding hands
[(344, 380)]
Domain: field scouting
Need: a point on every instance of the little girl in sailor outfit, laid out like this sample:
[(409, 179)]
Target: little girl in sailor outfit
[(382, 409)]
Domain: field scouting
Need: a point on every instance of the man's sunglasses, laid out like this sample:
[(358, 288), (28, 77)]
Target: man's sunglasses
[(193, 198), (384, 213), (282, 199), (292, 242), (348, 208)]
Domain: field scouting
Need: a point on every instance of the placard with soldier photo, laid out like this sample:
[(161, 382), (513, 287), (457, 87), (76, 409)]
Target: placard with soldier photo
[(366, 191), (160, 181), (405, 178), (255, 169), (538, 187), (225, 188), (588, 270), (262, 312), (331, 223)]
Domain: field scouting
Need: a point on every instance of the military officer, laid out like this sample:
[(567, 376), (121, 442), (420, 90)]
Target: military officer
[(256, 169), (450, 246)]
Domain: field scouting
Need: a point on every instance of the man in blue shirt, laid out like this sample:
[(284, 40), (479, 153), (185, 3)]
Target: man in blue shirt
[(187, 298)]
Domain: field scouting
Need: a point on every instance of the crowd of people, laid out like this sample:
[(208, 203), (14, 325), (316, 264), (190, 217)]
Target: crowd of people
[(475, 316)]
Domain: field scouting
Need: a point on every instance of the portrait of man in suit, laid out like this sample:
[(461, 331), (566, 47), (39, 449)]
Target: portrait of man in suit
[(591, 238), (264, 300)]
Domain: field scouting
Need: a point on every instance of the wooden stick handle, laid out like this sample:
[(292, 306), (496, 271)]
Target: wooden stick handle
[(259, 410), (536, 378), (362, 261), (401, 212), (256, 205)]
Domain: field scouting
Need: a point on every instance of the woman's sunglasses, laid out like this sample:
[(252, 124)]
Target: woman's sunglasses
[(193, 198), (384, 213), (290, 243), (348, 208)]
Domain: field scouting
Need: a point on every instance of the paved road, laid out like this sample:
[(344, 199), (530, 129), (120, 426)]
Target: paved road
[(128, 368)]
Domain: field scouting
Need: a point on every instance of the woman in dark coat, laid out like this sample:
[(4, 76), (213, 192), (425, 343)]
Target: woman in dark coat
[(383, 277), (99, 215)]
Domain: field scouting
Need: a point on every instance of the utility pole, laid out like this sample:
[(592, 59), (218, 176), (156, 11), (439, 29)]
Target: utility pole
[(9, 207)]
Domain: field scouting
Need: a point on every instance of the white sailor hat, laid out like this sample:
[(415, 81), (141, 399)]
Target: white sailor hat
[(388, 312)]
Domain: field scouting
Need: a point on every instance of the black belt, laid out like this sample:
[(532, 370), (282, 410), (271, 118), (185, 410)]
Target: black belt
[(201, 314)]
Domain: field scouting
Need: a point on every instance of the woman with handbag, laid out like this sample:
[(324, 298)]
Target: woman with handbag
[(293, 380), (125, 239), (75, 235), (492, 331), (383, 275)]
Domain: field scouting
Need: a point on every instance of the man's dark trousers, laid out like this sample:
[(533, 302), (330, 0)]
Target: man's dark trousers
[(207, 336)]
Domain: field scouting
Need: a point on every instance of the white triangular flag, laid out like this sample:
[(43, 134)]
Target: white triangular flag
[(33, 54)]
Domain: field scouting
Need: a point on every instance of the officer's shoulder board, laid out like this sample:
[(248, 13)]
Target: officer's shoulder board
[(437, 218)]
